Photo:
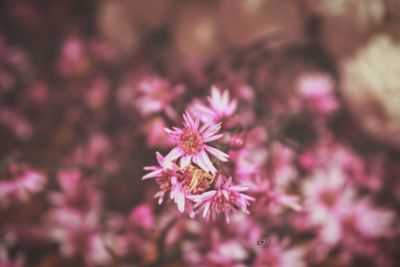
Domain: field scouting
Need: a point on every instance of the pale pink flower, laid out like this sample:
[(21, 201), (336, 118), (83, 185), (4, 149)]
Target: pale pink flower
[(96, 152), (369, 221), (22, 186), (97, 94), (78, 234), (226, 198), (156, 95), (326, 199), (280, 254), (324, 192), (316, 92), (253, 154), (5, 260), (227, 253), (21, 127), (192, 143), (219, 106), (73, 58), (167, 177), (155, 134), (30, 182), (142, 216), (166, 167), (268, 196), (77, 192)]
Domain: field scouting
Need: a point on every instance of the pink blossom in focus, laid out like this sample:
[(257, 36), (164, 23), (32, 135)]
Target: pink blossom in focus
[(191, 143), (226, 198), (142, 216)]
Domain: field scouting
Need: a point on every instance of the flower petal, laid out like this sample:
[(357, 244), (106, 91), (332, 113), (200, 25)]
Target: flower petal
[(217, 153), (174, 154)]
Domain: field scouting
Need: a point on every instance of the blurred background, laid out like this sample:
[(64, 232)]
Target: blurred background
[(73, 127)]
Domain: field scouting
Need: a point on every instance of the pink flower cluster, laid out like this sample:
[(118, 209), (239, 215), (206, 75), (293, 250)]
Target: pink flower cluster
[(151, 156), (192, 172)]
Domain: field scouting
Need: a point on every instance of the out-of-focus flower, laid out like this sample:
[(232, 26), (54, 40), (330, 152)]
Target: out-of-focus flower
[(191, 143), (17, 123), (270, 196), (77, 192), (316, 93), (369, 221), (342, 218), (78, 234), (250, 159), (326, 200), (5, 261), (364, 172), (155, 134), (142, 216), (219, 106), (39, 92), (226, 198), (280, 254), (156, 95), (97, 153), (73, 59), (96, 95), (21, 186)]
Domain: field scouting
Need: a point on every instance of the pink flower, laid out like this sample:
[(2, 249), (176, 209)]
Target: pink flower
[(30, 182), (77, 192), (166, 168), (166, 176), (156, 95), (22, 186), (369, 221), (79, 234), (219, 106), (155, 134), (97, 94), (279, 254), (191, 143), (173, 179), (316, 92), (73, 57), (225, 198), (142, 216), (22, 128), (5, 260)]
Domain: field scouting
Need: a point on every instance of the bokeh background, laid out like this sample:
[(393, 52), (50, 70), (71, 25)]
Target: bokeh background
[(75, 133)]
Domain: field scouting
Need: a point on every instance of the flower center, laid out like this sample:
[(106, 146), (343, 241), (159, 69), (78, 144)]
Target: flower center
[(328, 198), (190, 141), (197, 180)]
